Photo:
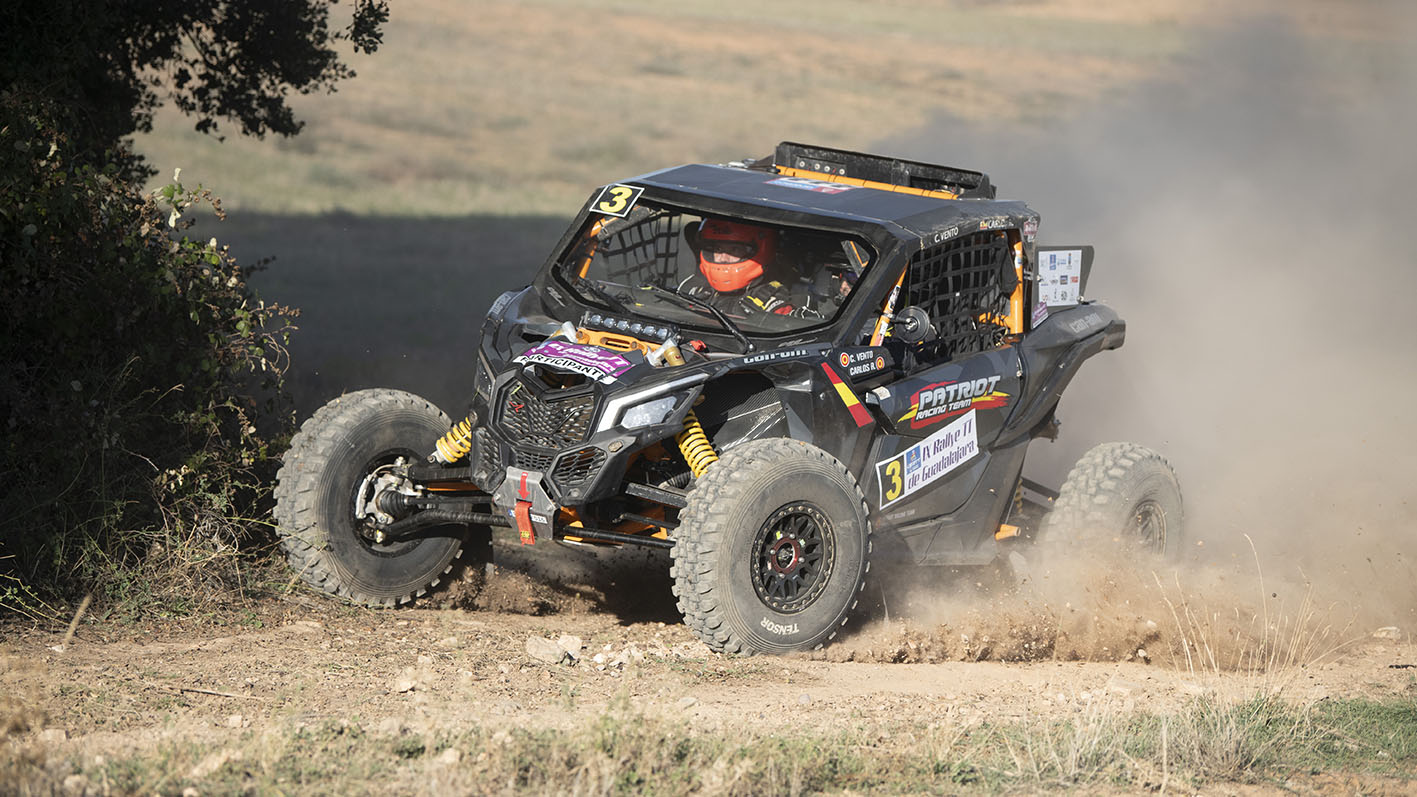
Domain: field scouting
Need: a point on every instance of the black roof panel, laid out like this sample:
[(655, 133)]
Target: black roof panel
[(917, 216)]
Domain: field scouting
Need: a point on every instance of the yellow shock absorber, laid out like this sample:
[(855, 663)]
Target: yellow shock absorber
[(695, 445), (454, 445)]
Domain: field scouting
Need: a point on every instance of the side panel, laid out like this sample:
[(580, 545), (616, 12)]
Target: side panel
[(938, 425)]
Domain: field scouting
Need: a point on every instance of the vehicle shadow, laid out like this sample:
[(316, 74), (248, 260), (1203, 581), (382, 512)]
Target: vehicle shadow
[(385, 301), (630, 584)]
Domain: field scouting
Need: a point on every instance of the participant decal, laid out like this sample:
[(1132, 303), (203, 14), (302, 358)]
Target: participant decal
[(936, 402), (597, 363), (928, 460), (853, 404)]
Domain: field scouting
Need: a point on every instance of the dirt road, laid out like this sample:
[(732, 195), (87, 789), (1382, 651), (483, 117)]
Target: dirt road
[(227, 684)]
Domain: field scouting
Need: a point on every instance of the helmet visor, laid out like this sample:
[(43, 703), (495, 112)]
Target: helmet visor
[(728, 252)]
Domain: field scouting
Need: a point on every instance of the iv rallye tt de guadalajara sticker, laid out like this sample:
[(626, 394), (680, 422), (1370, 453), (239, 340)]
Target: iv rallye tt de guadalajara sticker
[(927, 460)]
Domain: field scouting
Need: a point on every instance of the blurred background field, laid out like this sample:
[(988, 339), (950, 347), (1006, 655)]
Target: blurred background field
[(513, 108)]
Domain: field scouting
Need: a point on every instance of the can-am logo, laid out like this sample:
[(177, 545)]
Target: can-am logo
[(936, 402)]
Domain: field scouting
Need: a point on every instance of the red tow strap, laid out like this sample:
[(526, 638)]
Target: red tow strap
[(524, 528)]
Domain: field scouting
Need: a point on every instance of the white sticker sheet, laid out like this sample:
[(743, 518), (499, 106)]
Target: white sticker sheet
[(1060, 277), (928, 460)]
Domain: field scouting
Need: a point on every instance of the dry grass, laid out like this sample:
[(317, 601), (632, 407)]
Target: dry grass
[(1269, 643), (628, 752), (520, 108)]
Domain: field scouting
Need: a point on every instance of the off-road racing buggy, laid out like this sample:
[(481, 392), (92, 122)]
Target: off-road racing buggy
[(766, 367)]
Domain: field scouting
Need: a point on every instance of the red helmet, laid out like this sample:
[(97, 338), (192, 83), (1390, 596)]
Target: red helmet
[(732, 255)]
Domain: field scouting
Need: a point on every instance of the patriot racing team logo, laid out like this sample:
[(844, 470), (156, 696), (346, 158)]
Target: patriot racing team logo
[(942, 400)]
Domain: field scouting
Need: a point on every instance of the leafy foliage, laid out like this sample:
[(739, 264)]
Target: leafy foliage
[(110, 65), (140, 378)]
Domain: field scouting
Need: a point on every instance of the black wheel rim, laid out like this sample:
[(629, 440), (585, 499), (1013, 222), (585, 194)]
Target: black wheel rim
[(1148, 526), (793, 555)]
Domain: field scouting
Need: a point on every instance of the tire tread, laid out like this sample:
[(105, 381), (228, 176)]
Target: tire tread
[(297, 489)]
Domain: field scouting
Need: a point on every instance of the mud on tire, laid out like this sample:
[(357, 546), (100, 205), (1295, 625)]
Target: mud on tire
[(315, 497), (772, 551), (1119, 494)]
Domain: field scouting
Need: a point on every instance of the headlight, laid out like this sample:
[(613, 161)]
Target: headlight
[(648, 413), (641, 400)]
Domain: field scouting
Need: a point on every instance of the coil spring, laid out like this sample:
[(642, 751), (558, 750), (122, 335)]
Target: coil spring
[(454, 445), (695, 445)]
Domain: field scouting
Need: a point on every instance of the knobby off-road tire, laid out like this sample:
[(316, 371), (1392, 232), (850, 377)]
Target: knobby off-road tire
[(772, 551), (315, 499), (1122, 495)]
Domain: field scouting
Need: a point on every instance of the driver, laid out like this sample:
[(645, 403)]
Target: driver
[(734, 264)]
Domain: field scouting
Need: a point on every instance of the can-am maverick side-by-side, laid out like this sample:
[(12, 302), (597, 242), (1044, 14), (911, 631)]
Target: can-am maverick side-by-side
[(764, 367)]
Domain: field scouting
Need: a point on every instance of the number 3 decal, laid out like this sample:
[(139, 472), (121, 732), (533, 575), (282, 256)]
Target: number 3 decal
[(616, 200), (893, 473)]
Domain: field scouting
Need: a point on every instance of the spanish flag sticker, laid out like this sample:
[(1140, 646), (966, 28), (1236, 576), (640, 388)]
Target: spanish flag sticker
[(853, 404)]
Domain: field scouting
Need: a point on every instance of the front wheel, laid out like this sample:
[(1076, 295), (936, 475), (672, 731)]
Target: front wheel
[(1121, 495), (772, 551), (330, 462)]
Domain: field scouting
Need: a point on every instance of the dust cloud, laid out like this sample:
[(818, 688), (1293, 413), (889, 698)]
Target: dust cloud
[(1251, 224)]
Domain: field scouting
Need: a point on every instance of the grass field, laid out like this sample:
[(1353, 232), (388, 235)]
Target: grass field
[(1353, 746), (518, 108)]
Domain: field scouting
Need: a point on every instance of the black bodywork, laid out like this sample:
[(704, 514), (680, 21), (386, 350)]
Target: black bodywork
[(934, 429)]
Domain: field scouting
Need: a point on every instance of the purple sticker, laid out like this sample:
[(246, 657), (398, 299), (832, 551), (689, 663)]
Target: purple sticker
[(1040, 313), (593, 361)]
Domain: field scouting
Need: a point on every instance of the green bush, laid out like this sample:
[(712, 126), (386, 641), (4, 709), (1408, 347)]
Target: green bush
[(140, 384)]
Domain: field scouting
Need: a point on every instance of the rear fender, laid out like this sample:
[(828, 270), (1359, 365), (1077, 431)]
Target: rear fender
[(1052, 354)]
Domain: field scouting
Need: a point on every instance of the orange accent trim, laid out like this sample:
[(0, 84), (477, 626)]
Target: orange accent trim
[(836, 178), (594, 230), (878, 335), (1015, 320), (612, 341)]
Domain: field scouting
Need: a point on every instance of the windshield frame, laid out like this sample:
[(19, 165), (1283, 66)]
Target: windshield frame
[(560, 268)]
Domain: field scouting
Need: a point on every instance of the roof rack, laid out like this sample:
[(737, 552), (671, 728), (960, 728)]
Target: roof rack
[(839, 165)]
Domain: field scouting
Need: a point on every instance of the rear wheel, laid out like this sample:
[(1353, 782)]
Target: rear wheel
[(331, 461), (771, 553), (1119, 494)]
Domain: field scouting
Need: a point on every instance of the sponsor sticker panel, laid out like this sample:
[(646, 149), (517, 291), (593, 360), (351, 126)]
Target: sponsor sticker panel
[(929, 460), (808, 184), (1060, 277)]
